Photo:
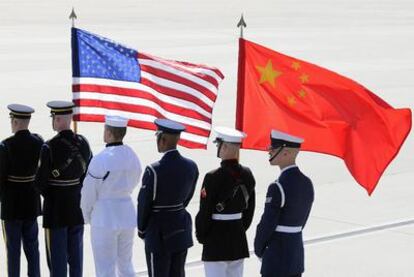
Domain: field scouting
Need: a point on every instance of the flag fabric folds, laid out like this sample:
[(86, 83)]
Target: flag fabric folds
[(335, 115), (109, 78)]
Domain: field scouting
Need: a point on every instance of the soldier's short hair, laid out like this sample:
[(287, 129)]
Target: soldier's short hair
[(117, 132)]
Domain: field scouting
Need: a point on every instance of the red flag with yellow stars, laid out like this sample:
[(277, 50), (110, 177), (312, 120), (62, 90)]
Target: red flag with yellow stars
[(334, 114)]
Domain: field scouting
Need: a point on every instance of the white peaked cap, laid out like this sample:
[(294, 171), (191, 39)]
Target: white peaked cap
[(227, 134), (279, 138), (116, 121)]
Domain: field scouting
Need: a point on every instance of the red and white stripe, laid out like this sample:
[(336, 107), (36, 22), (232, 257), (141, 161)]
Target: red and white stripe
[(179, 91)]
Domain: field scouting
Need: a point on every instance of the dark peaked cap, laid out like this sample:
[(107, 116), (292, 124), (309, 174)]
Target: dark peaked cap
[(168, 126), (60, 107), (20, 111)]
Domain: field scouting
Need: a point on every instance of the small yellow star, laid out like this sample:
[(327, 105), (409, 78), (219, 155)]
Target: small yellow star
[(268, 74), (296, 65), (291, 101), (302, 93), (304, 78)]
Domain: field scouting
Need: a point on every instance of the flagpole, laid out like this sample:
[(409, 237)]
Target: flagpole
[(240, 74), (73, 17)]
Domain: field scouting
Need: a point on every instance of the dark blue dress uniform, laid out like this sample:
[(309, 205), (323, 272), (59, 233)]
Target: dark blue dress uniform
[(278, 238), (20, 203), (62, 167), (166, 227)]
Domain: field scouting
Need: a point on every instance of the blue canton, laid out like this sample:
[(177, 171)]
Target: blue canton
[(98, 57)]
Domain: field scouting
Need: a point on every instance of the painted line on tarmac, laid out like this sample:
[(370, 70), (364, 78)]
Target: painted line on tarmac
[(358, 232), (323, 239)]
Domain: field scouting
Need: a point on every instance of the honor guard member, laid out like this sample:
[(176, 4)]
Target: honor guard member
[(62, 167), (20, 203), (227, 205), (106, 202), (167, 187), (289, 199)]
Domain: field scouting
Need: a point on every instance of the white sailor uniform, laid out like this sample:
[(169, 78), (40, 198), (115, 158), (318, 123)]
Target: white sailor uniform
[(106, 204)]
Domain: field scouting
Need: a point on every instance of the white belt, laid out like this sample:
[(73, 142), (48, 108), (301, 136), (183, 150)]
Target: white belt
[(226, 216), (288, 229)]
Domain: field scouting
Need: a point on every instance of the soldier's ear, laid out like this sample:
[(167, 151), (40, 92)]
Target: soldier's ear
[(163, 139)]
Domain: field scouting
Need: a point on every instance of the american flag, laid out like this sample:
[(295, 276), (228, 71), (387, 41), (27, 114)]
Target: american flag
[(112, 79)]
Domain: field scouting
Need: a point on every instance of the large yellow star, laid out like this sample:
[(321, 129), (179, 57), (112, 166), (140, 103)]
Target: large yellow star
[(268, 74)]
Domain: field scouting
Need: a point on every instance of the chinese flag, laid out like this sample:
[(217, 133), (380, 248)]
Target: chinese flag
[(334, 114)]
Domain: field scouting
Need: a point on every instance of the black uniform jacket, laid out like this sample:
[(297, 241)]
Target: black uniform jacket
[(63, 163), (19, 155), (225, 240)]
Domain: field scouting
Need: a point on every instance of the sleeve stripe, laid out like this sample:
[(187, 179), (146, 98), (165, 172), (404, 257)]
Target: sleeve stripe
[(155, 182), (282, 194)]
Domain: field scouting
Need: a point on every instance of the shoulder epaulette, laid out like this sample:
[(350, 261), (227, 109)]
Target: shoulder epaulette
[(53, 138), (155, 164), (7, 139), (214, 171), (37, 136)]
